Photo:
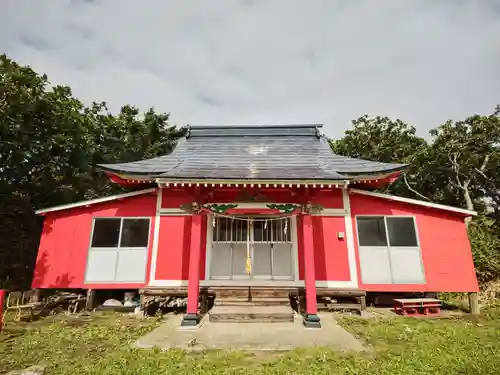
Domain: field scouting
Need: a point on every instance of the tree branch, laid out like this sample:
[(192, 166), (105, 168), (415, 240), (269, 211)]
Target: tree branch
[(454, 166), (483, 167), (413, 190)]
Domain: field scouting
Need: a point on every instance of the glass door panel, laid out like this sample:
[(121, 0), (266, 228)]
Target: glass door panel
[(262, 261), (239, 261)]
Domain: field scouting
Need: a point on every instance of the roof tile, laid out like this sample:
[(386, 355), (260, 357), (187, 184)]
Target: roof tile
[(259, 152)]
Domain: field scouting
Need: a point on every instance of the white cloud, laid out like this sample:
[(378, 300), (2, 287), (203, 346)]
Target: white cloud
[(274, 62)]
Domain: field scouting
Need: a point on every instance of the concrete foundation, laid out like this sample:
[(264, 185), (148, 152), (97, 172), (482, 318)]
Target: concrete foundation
[(253, 337)]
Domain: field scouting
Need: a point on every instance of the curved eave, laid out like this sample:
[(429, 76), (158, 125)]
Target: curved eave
[(351, 174), (368, 174), (365, 181), (118, 169)]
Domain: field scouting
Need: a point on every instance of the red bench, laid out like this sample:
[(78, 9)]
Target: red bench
[(417, 306)]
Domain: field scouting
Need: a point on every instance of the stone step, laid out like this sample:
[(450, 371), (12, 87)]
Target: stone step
[(236, 298), (269, 294), (253, 302), (251, 314), (252, 293), (270, 299)]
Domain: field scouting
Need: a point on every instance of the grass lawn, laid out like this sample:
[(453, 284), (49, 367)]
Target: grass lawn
[(100, 345)]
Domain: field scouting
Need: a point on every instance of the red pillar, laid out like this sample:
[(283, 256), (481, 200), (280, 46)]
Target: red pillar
[(192, 318), (311, 318)]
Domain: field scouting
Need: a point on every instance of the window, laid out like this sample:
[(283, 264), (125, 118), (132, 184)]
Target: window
[(230, 230), (389, 251), (135, 233), (401, 231), (272, 231), (118, 250), (372, 231), (106, 232)]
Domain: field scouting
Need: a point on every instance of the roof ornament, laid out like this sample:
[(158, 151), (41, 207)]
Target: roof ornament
[(312, 208), (219, 208), (192, 208), (286, 208), (318, 133)]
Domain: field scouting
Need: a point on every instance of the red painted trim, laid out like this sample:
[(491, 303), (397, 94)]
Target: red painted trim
[(118, 180), (310, 277), (376, 183), (194, 264)]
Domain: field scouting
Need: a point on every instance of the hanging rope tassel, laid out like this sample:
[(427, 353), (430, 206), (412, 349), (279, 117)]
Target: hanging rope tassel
[(248, 265)]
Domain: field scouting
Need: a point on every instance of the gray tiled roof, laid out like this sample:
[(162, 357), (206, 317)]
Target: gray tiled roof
[(253, 152)]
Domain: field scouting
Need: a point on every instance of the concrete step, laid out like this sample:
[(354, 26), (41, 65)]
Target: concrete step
[(251, 293), (253, 302), (251, 314)]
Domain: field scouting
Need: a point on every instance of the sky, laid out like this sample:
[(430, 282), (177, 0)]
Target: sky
[(265, 61)]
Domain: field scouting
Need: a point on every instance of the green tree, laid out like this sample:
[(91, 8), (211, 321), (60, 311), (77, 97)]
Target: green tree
[(459, 166), (386, 140), (465, 156), (50, 143), (485, 242)]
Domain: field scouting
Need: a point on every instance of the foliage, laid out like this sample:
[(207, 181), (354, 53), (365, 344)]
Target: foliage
[(458, 166), (50, 144), (466, 155), (52, 141), (381, 139), (102, 345), (385, 140), (485, 243)]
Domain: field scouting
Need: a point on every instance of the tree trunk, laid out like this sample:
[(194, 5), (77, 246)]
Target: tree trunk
[(468, 201)]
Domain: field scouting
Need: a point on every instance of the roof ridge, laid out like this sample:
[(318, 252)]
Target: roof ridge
[(256, 126), (208, 131)]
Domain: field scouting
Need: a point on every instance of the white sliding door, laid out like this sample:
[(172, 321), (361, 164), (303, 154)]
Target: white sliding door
[(118, 250), (266, 243), (389, 252)]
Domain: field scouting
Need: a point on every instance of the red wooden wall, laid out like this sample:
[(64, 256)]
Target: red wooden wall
[(446, 253), (174, 248), (64, 244), (444, 245), (330, 253)]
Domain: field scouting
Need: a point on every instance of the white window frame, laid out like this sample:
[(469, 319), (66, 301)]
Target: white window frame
[(389, 247), (117, 249)]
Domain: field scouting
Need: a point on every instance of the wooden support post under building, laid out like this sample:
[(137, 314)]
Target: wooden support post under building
[(362, 302), (474, 303), (3, 294), (36, 296), (89, 304)]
